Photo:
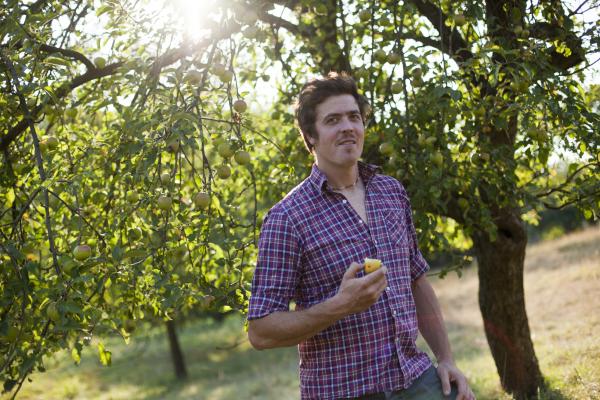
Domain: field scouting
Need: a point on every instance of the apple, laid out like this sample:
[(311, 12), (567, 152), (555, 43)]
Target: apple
[(321, 9), (52, 312), (240, 106), (100, 62), (224, 150), (460, 20), (71, 112), (226, 76), (218, 69), (518, 30), (193, 76), (438, 159), (397, 87), (173, 146), (386, 148), (380, 55), (67, 264), (525, 33), (463, 203), (384, 21), (393, 58), (12, 333), (82, 252), (164, 202), (242, 157), (372, 264), (132, 196), (364, 15), (487, 129), (223, 171), (165, 178), (250, 32), (201, 199), (134, 233), (417, 73)]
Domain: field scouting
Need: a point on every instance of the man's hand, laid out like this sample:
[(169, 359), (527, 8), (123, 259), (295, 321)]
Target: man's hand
[(448, 372), (358, 294)]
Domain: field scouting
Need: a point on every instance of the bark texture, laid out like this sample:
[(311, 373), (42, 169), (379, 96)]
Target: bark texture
[(176, 353), (502, 304)]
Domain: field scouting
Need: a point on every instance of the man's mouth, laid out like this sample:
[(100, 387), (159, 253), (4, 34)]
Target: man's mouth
[(348, 141)]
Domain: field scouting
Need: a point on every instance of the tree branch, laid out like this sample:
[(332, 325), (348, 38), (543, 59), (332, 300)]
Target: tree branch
[(567, 180), (550, 32), (68, 53), (452, 42)]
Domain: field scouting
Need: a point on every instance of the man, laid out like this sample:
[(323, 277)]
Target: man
[(355, 332)]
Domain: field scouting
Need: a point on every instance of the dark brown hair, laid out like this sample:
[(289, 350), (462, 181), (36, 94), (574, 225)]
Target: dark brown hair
[(315, 92)]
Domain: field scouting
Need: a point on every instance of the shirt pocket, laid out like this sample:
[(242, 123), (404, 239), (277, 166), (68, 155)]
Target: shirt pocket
[(396, 253), (327, 259)]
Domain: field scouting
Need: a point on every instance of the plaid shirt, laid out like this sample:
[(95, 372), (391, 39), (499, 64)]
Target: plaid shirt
[(307, 242)]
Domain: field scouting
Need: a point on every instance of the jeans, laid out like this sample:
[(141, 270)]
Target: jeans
[(426, 387)]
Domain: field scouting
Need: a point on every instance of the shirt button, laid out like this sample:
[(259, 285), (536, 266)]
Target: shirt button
[(344, 201), (394, 313), (387, 289)]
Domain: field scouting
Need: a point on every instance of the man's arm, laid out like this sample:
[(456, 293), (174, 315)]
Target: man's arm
[(288, 328), (431, 326)]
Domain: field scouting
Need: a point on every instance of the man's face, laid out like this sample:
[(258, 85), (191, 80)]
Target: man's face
[(340, 130)]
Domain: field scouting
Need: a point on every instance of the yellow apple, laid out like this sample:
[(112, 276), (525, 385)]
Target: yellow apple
[(372, 264)]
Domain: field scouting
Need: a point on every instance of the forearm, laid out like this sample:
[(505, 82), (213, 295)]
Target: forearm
[(430, 320), (288, 328)]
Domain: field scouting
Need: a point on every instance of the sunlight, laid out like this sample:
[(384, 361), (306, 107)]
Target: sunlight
[(194, 16)]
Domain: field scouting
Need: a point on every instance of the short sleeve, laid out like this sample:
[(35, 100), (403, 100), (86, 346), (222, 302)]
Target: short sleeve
[(277, 268), (418, 264)]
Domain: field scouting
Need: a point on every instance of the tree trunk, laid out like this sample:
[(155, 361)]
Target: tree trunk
[(176, 354), (502, 304)]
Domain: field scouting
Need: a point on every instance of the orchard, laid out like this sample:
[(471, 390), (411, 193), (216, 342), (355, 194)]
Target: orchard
[(139, 154)]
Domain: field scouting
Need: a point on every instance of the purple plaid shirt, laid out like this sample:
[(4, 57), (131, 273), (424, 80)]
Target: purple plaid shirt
[(307, 242)]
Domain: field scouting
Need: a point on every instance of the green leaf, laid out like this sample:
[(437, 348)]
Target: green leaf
[(76, 355), (10, 197), (104, 355)]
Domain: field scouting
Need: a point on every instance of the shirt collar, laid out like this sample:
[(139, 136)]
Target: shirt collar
[(366, 172)]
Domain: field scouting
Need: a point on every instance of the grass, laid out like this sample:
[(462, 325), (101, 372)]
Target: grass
[(562, 285)]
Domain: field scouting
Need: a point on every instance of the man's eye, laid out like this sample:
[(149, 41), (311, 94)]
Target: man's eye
[(331, 120), (355, 117)]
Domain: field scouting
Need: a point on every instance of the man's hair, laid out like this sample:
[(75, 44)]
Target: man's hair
[(315, 92)]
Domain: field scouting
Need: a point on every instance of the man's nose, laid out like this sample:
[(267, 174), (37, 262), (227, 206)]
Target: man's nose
[(346, 125)]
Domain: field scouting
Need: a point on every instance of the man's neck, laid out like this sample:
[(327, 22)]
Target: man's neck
[(339, 176)]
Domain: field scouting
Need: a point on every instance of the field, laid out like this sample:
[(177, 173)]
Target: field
[(562, 284)]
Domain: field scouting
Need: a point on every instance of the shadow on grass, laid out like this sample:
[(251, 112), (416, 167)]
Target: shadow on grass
[(220, 363)]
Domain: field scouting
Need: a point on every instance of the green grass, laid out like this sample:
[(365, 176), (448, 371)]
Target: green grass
[(562, 284)]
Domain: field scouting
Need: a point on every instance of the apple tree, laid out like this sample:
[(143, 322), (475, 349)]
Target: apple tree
[(472, 102), (131, 177), (134, 181)]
